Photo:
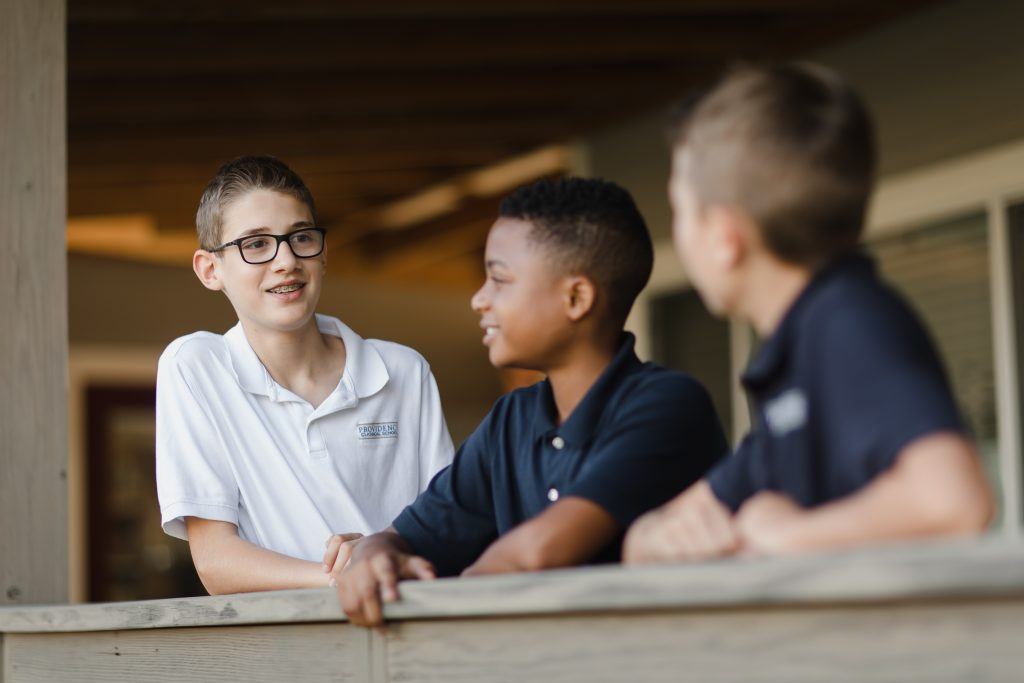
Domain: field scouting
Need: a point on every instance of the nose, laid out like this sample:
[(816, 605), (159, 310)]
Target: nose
[(479, 301), (286, 258)]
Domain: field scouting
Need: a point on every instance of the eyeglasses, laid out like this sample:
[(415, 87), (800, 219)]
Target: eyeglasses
[(256, 249)]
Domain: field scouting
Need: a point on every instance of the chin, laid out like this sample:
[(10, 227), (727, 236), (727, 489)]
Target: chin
[(502, 359), (287, 321)]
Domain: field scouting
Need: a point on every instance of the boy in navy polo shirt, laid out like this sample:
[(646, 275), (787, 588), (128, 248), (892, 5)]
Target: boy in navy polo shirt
[(556, 472), (856, 437)]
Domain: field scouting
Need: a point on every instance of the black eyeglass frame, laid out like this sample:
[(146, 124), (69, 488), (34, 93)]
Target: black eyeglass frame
[(277, 247)]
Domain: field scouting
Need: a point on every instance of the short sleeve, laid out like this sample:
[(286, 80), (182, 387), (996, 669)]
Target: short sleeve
[(452, 522), (881, 387), (193, 476), (435, 443), (664, 438), (731, 479)]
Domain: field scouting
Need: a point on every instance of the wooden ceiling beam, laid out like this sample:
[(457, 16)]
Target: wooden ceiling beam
[(118, 11), (100, 50), (173, 203), (516, 132), (433, 92), (444, 161)]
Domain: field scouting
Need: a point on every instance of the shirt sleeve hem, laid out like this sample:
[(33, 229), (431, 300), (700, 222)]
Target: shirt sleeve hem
[(897, 444), (173, 515), (733, 502)]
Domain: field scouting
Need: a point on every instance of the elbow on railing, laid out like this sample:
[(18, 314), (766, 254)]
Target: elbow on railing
[(212, 574), (967, 512)]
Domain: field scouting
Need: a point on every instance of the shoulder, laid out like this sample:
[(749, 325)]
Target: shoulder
[(860, 313), (654, 383), (194, 350), (398, 357)]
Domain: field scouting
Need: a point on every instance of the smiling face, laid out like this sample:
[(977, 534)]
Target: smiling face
[(524, 305), (280, 295)]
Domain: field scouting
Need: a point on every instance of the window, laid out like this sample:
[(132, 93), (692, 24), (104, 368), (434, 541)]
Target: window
[(686, 337), (943, 270)]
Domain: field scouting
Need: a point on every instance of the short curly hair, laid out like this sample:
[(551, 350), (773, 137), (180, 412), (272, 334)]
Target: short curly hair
[(592, 227), (238, 177)]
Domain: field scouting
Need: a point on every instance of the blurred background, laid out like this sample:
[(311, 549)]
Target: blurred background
[(409, 119)]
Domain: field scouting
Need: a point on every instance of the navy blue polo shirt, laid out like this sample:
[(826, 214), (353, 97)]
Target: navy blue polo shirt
[(848, 379), (640, 435)]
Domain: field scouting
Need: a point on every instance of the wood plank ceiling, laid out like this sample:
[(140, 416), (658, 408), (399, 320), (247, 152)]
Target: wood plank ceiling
[(407, 118)]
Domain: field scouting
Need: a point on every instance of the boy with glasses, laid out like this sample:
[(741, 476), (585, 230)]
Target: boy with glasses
[(290, 427)]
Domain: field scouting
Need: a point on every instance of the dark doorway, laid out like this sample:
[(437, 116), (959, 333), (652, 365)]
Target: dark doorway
[(130, 557)]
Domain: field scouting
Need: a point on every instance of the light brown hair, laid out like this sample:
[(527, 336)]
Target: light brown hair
[(793, 146), (236, 178)]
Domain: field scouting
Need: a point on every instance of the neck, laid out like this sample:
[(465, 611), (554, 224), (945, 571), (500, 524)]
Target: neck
[(772, 288), (580, 368), (295, 355)]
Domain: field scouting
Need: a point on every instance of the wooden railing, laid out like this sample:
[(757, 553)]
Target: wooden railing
[(931, 612)]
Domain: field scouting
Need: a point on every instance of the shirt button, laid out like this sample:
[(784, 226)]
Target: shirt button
[(552, 494), (559, 443)]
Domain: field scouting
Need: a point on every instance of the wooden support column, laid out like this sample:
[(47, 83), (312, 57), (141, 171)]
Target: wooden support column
[(33, 303)]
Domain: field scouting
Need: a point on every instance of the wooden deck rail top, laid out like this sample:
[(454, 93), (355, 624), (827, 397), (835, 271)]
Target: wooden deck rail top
[(979, 569)]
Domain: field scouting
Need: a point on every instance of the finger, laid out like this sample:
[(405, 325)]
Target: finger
[(387, 578), (418, 568), (368, 592), (652, 539), (372, 611), (720, 528), (351, 603), (331, 554), (638, 547), (344, 555)]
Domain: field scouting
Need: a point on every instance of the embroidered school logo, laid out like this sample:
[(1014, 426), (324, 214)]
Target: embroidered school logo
[(377, 430), (786, 412)]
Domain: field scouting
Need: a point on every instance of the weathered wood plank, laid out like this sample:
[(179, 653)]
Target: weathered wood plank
[(924, 572), (297, 652), (930, 644), (33, 277)]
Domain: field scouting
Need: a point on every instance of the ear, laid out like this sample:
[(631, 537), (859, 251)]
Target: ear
[(580, 296), (731, 233), (204, 263)]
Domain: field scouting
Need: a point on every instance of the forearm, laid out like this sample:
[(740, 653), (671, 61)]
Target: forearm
[(568, 533), (877, 514), (933, 490), (504, 556), (234, 565)]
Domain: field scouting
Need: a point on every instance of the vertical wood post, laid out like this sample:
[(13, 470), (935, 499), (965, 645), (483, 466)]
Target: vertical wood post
[(33, 303)]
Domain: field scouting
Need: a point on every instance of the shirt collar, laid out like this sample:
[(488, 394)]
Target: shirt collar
[(771, 358), (363, 363), (583, 421)]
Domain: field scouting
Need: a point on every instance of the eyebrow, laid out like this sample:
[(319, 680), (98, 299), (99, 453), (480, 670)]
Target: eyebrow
[(264, 230), (495, 262)]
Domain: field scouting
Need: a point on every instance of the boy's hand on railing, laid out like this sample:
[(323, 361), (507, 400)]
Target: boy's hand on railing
[(764, 522), (338, 553), (693, 526), (378, 563)]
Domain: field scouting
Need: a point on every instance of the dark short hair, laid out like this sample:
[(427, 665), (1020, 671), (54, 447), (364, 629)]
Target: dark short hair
[(236, 178), (592, 227), (793, 146)]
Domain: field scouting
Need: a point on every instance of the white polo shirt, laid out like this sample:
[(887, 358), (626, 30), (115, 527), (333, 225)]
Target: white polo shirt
[(234, 445)]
